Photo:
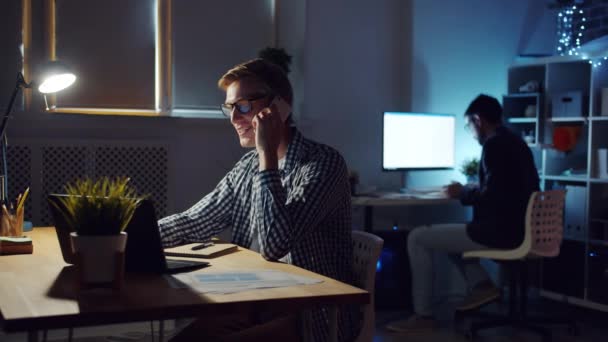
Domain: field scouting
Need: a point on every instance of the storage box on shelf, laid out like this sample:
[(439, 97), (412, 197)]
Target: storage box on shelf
[(570, 100), (568, 104)]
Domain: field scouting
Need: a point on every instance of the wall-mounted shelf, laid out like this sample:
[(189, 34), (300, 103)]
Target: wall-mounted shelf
[(524, 95), (568, 119)]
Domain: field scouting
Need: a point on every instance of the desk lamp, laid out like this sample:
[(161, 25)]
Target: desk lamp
[(54, 77)]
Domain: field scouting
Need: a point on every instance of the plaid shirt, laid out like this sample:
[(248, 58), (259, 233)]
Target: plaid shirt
[(302, 214)]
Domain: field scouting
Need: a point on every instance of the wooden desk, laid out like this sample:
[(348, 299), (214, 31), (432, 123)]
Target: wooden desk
[(37, 292), (392, 199)]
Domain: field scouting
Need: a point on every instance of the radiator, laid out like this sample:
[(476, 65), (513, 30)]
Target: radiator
[(47, 168)]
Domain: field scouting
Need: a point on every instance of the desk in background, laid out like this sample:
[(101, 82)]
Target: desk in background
[(37, 293), (393, 278), (394, 199)]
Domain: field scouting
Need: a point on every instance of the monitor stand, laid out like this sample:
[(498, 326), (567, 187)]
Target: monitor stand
[(403, 188)]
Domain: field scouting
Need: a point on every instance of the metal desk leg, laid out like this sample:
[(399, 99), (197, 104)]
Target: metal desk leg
[(333, 323), (32, 336), (368, 217), (161, 331)]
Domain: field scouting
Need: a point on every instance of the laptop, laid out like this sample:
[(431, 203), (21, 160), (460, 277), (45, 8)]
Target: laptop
[(144, 251)]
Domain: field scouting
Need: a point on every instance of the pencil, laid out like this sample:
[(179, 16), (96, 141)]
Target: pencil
[(22, 200)]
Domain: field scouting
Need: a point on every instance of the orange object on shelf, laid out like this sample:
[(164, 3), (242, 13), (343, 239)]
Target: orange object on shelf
[(566, 137)]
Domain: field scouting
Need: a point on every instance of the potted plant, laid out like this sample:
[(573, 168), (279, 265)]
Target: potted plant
[(97, 212), (470, 168)]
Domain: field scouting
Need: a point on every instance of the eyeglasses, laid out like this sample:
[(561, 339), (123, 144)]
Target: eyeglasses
[(242, 106), (469, 124)]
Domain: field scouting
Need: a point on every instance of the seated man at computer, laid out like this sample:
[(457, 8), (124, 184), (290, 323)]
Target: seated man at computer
[(288, 198), (507, 178)]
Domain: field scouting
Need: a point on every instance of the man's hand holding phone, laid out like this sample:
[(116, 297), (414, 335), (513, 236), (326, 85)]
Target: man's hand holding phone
[(268, 125)]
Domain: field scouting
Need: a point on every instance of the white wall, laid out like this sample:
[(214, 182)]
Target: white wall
[(464, 48), (356, 65), (366, 57)]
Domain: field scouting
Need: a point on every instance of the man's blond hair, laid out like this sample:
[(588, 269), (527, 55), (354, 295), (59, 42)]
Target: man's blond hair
[(260, 70)]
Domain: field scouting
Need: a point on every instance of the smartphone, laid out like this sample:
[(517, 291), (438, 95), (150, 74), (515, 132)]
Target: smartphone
[(282, 106)]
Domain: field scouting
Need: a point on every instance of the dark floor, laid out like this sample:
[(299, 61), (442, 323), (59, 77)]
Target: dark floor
[(593, 325)]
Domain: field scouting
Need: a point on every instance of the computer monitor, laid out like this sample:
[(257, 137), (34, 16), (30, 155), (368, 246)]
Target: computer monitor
[(417, 141)]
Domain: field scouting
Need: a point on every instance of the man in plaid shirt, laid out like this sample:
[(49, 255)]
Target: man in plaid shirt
[(288, 199)]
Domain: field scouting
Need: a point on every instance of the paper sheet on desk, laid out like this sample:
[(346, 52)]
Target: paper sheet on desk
[(237, 281)]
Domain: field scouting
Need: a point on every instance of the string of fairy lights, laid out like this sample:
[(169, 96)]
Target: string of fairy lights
[(568, 34), (571, 23)]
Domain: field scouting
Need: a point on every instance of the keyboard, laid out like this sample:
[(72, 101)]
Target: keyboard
[(414, 195), (430, 195), (426, 190)]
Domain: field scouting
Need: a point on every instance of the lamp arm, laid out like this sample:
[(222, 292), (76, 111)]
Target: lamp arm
[(19, 84)]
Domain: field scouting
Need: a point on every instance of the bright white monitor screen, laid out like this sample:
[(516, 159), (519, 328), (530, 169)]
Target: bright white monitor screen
[(418, 141)]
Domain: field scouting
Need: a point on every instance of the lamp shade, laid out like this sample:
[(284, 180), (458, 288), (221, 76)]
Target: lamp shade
[(55, 77)]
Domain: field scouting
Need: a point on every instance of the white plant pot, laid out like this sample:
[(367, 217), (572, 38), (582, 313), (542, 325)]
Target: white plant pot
[(98, 257)]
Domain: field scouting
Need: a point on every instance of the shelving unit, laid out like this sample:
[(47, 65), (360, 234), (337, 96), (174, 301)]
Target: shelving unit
[(522, 111), (579, 275)]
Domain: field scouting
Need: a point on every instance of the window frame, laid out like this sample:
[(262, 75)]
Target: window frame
[(163, 105)]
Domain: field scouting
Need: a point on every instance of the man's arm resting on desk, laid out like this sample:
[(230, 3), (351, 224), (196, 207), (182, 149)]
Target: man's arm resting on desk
[(205, 219)]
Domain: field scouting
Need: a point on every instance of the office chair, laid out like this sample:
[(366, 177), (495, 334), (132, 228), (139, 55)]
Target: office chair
[(542, 239), (366, 252)]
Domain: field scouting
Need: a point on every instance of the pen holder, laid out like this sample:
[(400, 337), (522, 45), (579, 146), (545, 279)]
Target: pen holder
[(11, 224)]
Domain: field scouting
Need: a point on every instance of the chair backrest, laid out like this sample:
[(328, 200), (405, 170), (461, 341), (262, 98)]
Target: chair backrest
[(545, 223), (366, 252)]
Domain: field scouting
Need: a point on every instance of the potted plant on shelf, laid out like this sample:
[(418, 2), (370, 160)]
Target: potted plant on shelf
[(97, 212), (470, 168)]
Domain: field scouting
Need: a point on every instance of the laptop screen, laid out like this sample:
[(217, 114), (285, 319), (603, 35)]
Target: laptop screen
[(144, 252)]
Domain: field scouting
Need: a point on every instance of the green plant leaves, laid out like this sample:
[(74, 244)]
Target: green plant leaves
[(470, 167), (99, 207)]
